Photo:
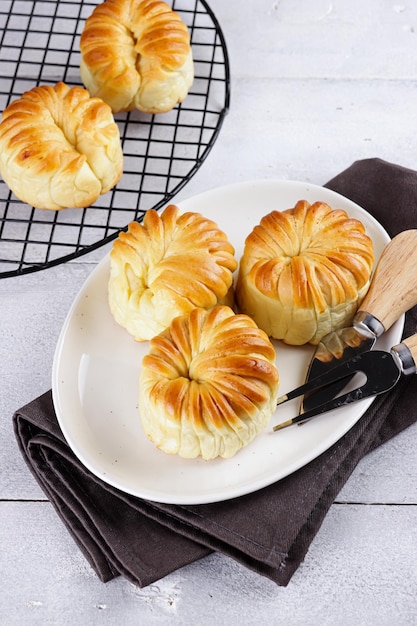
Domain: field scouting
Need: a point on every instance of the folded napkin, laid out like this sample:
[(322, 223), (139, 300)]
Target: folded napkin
[(270, 530)]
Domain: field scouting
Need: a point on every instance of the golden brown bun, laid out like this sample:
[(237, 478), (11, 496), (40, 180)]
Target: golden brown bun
[(165, 267), (208, 385), (136, 55), (59, 148), (304, 272)]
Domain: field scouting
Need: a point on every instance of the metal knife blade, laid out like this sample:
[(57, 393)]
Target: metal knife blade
[(382, 370), (393, 291)]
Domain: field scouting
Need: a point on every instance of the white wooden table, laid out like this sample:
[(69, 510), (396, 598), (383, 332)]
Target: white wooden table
[(316, 85)]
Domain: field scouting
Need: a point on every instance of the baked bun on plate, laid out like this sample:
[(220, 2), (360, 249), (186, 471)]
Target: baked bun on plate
[(304, 272), (208, 385), (166, 266)]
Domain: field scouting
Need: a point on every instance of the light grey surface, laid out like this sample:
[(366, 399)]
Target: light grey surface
[(316, 85)]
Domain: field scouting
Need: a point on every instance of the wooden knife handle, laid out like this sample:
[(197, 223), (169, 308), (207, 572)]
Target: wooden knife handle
[(411, 343), (393, 289)]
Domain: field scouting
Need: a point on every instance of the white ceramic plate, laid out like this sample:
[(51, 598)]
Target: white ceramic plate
[(97, 363)]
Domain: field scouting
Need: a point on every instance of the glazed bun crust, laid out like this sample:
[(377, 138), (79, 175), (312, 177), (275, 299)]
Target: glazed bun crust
[(59, 147), (165, 267), (136, 55), (304, 272), (208, 385)]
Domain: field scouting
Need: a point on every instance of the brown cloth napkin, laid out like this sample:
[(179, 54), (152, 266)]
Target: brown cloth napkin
[(270, 530)]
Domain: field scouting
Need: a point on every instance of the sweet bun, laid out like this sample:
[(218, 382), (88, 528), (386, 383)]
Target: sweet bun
[(59, 148), (208, 385), (165, 267), (304, 272), (136, 55)]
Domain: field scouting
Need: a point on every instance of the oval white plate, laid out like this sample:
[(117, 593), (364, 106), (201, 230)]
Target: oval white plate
[(97, 363)]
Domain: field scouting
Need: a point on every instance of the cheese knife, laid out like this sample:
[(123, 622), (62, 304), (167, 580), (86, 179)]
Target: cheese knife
[(382, 370), (392, 292)]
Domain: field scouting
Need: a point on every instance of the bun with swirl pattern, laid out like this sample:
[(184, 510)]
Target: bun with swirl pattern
[(166, 266), (59, 148), (136, 54), (304, 272), (208, 385)]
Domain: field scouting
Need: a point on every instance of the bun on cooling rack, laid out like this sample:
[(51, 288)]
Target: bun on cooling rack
[(136, 55), (59, 147), (304, 272), (165, 267), (208, 385)]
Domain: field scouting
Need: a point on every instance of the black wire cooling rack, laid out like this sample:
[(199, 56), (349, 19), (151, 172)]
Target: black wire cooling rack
[(39, 44)]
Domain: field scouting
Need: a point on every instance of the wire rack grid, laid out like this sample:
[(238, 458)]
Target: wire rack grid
[(39, 44)]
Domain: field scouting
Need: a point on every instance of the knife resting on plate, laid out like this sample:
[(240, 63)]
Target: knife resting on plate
[(392, 292), (382, 370)]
